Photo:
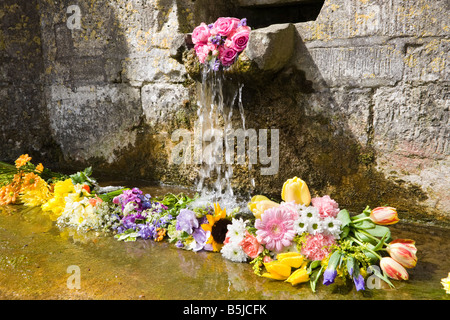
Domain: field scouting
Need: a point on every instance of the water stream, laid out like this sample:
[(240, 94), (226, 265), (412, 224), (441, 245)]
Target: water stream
[(215, 115)]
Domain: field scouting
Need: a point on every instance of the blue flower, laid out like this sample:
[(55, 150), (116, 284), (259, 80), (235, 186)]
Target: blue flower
[(359, 282), (328, 276)]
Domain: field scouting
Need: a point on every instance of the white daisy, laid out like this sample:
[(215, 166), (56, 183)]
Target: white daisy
[(233, 252), (315, 225), (309, 212), (301, 225), (332, 226)]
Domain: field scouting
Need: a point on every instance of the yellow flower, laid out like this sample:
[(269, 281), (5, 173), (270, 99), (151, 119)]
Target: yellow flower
[(37, 194), (161, 233), (446, 284), (30, 181), (9, 194), (258, 204), (22, 160), (277, 270), (298, 276), (281, 268), (39, 168), (217, 226), (296, 189), (55, 206), (292, 259)]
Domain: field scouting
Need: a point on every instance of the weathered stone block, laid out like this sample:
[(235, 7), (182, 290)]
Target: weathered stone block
[(271, 48), (349, 65), (93, 121), (160, 102), (156, 66), (255, 3)]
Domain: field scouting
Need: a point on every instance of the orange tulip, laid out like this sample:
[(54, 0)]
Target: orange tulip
[(403, 251), (384, 215), (393, 269)]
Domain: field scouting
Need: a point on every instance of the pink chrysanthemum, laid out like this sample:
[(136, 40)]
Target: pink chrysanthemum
[(317, 247), (327, 207), (275, 229)]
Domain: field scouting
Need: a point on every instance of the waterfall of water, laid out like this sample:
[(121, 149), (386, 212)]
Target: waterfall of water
[(214, 120)]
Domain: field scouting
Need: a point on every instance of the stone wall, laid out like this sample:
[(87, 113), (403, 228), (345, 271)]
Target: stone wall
[(361, 98)]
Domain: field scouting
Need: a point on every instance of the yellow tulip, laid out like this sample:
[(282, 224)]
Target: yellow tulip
[(298, 276), (292, 259), (277, 270), (258, 204), (296, 189)]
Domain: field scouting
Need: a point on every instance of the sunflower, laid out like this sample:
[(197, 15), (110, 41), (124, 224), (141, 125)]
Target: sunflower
[(22, 160), (217, 226)]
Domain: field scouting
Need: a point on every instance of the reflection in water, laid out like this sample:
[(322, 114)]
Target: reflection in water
[(35, 255)]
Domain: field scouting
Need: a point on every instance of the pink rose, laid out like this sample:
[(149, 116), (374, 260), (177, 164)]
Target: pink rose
[(202, 51), (327, 207), (224, 26), (227, 56), (239, 38), (251, 246), (200, 34)]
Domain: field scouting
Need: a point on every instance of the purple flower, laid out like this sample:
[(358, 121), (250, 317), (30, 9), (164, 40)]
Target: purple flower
[(128, 222), (328, 276), (186, 221), (216, 65), (359, 282), (242, 23), (200, 236), (179, 244), (146, 231)]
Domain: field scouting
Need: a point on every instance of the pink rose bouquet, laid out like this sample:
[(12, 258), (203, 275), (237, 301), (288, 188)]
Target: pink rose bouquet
[(220, 43)]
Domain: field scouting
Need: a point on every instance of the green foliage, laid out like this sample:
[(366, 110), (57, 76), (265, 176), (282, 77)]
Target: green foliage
[(83, 177)]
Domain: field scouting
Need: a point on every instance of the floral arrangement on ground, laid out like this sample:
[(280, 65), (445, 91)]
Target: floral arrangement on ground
[(299, 240)]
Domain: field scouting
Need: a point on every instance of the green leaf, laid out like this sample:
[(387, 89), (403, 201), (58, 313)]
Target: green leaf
[(382, 240), (380, 231), (344, 232), (334, 260), (314, 277), (381, 276), (366, 224), (344, 217), (314, 264)]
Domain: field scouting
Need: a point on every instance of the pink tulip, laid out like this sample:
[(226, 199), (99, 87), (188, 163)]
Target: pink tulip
[(384, 215), (393, 269), (404, 252)]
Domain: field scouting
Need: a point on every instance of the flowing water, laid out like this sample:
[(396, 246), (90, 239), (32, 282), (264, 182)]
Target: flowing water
[(216, 104), (35, 256)]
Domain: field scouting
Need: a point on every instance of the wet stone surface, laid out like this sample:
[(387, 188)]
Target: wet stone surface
[(35, 256)]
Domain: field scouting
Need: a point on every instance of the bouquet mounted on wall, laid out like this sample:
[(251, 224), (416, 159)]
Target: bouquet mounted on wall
[(220, 43)]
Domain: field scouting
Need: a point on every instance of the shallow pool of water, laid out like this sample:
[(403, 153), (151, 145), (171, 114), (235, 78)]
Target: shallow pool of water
[(35, 256)]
